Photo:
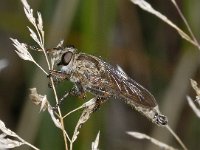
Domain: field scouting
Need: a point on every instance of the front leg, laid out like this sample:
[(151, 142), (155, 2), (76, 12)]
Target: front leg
[(57, 76)]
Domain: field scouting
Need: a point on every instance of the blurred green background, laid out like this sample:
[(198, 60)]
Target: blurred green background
[(147, 49)]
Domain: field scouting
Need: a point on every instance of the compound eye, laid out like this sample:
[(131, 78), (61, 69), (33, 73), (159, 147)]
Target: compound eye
[(66, 58)]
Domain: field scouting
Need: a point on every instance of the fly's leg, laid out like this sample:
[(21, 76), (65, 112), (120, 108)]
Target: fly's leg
[(56, 81), (60, 101), (99, 102), (57, 76), (49, 50), (102, 96), (77, 90)]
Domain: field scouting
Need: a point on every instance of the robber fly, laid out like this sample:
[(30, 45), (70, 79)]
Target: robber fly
[(92, 74)]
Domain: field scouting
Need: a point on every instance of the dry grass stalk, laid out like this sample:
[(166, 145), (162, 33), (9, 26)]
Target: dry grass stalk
[(147, 7), (41, 100), (22, 51), (158, 143)]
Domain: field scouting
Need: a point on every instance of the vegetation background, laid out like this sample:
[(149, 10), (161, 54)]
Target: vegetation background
[(147, 49)]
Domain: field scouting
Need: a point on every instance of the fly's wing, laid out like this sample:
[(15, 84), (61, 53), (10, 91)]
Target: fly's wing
[(128, 89)]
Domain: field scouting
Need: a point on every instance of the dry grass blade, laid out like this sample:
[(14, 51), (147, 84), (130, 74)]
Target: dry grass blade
[(34, 36), (41, 100), (40, 25), (86, 104), (147, 7), (28, 11), (6, 130), (22, 50), (23, 53), (38, 99), (60, 44), (197, 90), (40, 22), (154, 141), (44, 104), (6, 143), (83, 118), (54, 119), (186, 23), (10, 143), (95, 144), (195, 87), (37, 36), (193, 106)]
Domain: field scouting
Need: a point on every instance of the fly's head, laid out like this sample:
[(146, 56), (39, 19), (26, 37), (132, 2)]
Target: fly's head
[(63, 57)]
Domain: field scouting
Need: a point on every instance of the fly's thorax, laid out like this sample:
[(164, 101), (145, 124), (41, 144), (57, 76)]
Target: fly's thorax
[(87, 66)]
